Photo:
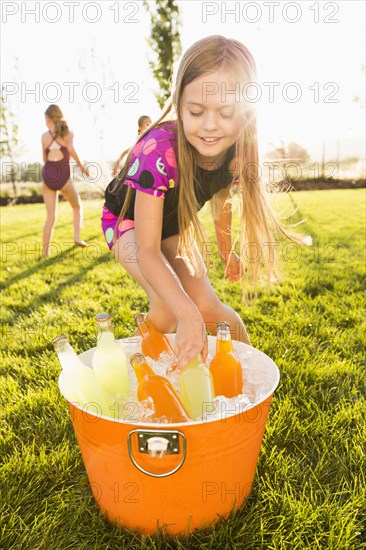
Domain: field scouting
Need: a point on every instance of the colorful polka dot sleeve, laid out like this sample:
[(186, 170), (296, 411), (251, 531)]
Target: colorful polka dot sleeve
[(153, 163)]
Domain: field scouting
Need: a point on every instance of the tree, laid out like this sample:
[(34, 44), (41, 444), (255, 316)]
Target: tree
[(288, 161), (9, 140), (165, 42), (298, 153)]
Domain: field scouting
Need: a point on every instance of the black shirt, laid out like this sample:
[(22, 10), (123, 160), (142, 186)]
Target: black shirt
[(206, 184)]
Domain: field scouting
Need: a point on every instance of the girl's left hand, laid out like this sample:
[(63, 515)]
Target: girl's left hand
[(234, 268)]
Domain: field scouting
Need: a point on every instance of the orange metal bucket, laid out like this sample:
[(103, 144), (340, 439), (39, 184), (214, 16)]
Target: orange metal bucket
[(207, 470)]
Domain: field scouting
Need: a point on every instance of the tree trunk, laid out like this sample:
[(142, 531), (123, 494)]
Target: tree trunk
[(13, 181)]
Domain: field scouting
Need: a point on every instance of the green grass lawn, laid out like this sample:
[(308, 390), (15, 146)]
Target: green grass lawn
[(309, 490)]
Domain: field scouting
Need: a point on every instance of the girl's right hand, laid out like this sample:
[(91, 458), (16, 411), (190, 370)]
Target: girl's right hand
[(190, 341), (85, 171)]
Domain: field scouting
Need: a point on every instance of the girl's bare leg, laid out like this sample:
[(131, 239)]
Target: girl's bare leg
[(124, 251), (50, 200), (72, 196), (200, 290)]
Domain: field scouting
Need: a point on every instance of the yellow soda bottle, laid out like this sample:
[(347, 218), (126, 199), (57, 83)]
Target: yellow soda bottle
[(196, 389), (80, 382), (109, 361)]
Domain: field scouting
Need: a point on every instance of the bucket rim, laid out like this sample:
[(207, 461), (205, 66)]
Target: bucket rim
[(169, 425)]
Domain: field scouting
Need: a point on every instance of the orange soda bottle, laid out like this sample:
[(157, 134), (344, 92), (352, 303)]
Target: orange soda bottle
[(159, 389), (153, 342), (225, 367)]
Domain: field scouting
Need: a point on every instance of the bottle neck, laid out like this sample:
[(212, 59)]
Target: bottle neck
[(223, 340), (105, 333), (67, 356), (142, 371), (144, 326), (105, 338), (196, 362)]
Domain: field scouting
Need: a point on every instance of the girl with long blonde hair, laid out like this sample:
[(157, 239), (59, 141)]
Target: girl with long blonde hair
[(57, 147), (203, 145)]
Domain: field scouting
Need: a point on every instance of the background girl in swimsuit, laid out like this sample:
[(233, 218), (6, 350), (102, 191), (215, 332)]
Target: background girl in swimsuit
[(57, 147)]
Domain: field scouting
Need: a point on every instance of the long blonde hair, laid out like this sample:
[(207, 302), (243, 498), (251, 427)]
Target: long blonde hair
[(56, 115), (209, 55)]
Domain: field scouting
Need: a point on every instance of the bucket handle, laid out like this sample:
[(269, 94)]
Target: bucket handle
[(172, 435)]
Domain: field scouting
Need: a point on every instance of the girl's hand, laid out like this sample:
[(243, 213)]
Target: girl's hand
[(190, 340), (85, 171), (234, 268)]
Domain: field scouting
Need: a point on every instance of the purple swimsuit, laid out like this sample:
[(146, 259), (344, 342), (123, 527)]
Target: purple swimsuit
[(56, 173)]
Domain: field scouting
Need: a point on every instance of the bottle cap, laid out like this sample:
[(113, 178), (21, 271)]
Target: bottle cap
[(137, 358), (102, 317), (140, 316), (224, 325), (59, 338)]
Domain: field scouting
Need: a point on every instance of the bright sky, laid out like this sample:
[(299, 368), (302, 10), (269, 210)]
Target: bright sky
[(313, 49)]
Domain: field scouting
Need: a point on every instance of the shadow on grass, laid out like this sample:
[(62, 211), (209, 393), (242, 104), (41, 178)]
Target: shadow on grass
[(47, 296), (44, 263), (57, 226)]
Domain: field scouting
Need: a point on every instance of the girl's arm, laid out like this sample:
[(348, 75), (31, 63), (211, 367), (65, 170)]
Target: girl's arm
[(116, 165), (222, 222), (44, 148), (190, 337), (73, 153)]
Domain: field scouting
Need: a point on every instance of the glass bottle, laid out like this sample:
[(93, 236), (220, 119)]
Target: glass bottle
[(80, 382), (153, 342), (159, 389), (109, 361), (225, 368), (196, 389)]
